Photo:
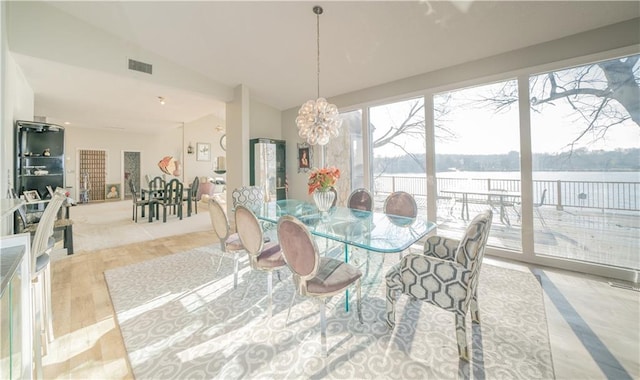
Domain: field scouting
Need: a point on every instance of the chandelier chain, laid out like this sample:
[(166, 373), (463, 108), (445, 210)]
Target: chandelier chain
[(318, 49)]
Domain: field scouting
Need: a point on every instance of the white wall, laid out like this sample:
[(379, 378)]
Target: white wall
[(265, 121), (153, 148), (202, 131)]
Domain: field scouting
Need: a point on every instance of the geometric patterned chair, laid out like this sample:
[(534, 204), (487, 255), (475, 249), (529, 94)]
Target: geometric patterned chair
[(248, 196), (446, 275)]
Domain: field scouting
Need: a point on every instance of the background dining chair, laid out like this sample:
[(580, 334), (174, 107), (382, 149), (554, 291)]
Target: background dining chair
[(536, 206), (262, 256), (446, 275), (360, 199), (156, 187), (41, 248), (171, 197), (314, 276), (137, 202), (229, 243), (194, 193), (248, 196), (403, 204)]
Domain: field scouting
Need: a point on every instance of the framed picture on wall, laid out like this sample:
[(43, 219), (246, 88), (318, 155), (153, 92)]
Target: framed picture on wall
[(112, 191), (31, 195), (203, 152), (304, 157)]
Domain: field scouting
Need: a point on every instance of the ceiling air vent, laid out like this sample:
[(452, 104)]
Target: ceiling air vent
[(140, 66)]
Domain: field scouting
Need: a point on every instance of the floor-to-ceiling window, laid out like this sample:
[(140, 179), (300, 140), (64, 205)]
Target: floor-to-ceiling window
[(585, 139), (398, 150), (477, 152)]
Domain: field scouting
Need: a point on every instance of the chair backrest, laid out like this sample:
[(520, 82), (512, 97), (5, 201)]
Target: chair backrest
[(360, 199), (401, 203), (249, 230), (173, 191), (134, 191), (471, 248), (194, 188), (157, 183), (542, 198), (299, 248), (45, 227), (219, 221), (249, 196)]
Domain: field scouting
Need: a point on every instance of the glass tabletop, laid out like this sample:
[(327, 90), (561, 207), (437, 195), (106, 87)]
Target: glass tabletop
[(373, 231)]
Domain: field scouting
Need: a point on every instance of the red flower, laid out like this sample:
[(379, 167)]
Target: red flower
[(323, 179)]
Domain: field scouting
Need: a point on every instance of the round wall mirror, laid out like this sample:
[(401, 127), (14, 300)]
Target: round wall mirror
[(223, 142)]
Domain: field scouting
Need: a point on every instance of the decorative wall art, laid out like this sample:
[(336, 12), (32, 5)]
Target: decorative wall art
[(112, 191), (203, 152), (304, 157), (31, 196)]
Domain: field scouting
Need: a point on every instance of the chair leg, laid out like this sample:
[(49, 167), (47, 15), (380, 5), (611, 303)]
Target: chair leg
[(461, 337), (323, 328), (133, 213), (47, 303), (235, 269), (392, 295), (474, 307), (270, 290), (293, 297), (359, 304)]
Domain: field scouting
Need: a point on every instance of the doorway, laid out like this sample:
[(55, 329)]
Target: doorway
[(130, 172)]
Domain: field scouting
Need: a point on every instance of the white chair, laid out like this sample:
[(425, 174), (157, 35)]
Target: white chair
[(229, 243), (314, 276), (41, 269), (265, 257)]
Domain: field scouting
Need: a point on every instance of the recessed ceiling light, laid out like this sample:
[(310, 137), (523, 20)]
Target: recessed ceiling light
[(161, 100), (66, 123)]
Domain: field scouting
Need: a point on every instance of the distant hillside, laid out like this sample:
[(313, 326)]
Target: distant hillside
[(579, 160)]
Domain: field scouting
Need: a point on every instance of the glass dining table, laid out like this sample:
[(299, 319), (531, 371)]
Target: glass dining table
[(372, 231)]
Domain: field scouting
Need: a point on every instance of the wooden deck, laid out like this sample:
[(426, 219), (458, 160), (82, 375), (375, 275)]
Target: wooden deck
[(590, 235)]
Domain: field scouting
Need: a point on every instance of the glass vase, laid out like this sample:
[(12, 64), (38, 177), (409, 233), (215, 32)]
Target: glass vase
[(323, 199)]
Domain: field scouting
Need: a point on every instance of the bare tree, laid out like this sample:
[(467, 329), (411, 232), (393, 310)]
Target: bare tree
[(603, 95)]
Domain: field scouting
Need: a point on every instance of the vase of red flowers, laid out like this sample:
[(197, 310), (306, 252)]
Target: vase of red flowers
[(321, 183)]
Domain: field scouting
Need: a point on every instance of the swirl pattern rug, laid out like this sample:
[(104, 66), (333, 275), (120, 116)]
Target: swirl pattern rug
[(181, 318)]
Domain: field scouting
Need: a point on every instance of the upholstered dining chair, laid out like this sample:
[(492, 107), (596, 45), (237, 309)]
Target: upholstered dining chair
[(171, 197), (194, 193), (360, 199), (248, 196), (137, 202), (403, 204), (262, 256), (445, 275), (229, 243), (314, 276), (41, 247)]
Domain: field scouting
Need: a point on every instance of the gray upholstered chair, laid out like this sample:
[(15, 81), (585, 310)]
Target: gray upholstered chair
[(229, 243), (194, 194), (314, 276), (360, 199), (41, 247), (446, 275), (262, 256), (248, 196), (402, 204)]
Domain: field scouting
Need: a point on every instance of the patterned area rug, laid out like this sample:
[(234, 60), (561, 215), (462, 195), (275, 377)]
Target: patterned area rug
[(182, 319)]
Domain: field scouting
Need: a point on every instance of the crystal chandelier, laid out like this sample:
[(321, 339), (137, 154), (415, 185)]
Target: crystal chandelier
[(318, 120)]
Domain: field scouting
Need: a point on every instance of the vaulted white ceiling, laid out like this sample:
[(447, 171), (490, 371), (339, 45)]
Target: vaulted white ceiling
[(74, 54)]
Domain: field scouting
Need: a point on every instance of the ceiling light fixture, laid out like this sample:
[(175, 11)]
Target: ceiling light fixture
[(161, 100), (318, 120)]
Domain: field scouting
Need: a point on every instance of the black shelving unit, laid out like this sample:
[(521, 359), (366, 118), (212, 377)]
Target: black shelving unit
[(268, 166), (39, 157)]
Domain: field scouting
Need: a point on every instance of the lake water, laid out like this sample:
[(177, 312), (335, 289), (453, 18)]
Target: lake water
[(626, 176)]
